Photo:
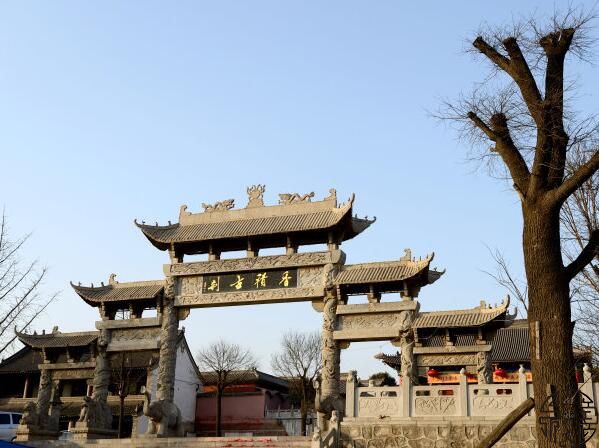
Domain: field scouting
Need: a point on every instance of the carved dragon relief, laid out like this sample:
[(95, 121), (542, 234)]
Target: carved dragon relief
[(225, 205), (292, 198)]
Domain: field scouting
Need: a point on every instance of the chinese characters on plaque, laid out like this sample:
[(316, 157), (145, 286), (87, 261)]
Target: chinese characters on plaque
[(250, 281)]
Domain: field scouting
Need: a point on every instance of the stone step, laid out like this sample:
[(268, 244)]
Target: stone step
[(186, 442)]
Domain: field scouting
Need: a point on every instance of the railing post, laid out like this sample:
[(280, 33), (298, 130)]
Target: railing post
[(522, 383), (587, 385), (463, 393), (406, 392), (350, 394)]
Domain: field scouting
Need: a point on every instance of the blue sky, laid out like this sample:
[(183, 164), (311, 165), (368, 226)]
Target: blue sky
[(112, 110)]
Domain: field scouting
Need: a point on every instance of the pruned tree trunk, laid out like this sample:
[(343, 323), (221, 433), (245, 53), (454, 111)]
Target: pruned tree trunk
[(121, 415), (550, 327), (219, 397), (304, 407)]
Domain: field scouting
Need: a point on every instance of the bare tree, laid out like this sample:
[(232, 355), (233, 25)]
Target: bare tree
[(20, 300), (224, 364), (579, 217), (530, 130), (300, 360), (125, 378)]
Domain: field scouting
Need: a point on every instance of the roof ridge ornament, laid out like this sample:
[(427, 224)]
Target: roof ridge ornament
[(292, 198), (255, 196), (220, 206), (112, 279), (407, 255)]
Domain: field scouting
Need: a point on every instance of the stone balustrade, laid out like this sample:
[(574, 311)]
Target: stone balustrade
[(443, 400)]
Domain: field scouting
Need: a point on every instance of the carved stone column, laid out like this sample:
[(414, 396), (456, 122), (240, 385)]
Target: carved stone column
[(168, 345), (44, 396), (483, 368), (95, 418), (406, 344), (36, 423), (163, 414), (329, 394)]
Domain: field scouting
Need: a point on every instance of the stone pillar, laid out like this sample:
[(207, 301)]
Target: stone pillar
[(329, 399), (168, 346), (44, 396), (37, 423), (463, 393), (95, 418), (26, 387), (350, 394), (406, 343), (483, 368), (522, 383)]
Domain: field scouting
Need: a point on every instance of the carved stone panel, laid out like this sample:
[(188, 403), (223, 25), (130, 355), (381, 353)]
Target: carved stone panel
[(134, 339), (73, 374), (447, 360), (438, 406), (379, 406), (305, 283), (488, 405), (255, 263)]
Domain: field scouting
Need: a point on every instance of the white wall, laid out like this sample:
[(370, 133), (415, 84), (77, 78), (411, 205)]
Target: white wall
[(187, 385)]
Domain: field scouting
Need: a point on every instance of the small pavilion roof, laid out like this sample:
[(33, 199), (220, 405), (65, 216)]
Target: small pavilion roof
[(387, 276), (309, 222), (119, 292), (58, 339), (474, 317), (387, 271)]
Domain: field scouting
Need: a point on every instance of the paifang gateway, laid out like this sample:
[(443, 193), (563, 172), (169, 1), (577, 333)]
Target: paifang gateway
[(452, 350)]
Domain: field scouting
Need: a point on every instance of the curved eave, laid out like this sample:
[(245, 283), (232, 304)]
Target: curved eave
[(475, 317), (57, 340), (384, 272), (151, 231), (95, 296), (312, 226)]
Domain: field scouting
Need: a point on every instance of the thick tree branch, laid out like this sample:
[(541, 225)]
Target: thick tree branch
[(588, 253), (521, 74), (499, 132), (579, 177)]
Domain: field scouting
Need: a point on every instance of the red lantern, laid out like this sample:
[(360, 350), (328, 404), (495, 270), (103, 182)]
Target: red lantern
[(578, 376), (500, 372), (432, 373)]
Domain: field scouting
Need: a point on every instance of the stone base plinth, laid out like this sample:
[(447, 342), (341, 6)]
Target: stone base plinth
[(83, 432), (27, 433)]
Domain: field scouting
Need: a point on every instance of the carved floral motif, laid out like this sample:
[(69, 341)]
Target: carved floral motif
[(253, 263), (446, 360), (378, 406), (247, 297), (435, 406)]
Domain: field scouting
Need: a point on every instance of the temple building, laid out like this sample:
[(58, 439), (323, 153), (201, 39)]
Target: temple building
[(447, 361), (246, 404)]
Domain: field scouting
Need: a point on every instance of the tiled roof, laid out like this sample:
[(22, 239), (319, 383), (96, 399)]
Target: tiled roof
[(245, 376), (25, 360), (114, 292), (381, 271), (460, 318), (251, 222), (511, 345), (58, 339)]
